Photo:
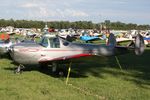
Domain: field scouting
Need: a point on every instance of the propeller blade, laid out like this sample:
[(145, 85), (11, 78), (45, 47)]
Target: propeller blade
[(139, 45)]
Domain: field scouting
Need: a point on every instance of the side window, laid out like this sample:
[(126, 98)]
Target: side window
[(54, 43), (65, 43), (44, 42)]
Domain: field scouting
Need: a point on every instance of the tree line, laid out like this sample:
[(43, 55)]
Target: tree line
[(75, 25)]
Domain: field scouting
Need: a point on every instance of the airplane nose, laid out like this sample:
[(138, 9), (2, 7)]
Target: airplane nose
[(11, 48), (11, 51)]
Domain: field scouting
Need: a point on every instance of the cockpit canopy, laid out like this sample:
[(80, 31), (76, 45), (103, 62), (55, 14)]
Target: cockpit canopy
[(50, 41)]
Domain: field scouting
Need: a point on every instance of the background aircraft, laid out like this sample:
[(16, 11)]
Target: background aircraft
[(5, 43), (89, 38)]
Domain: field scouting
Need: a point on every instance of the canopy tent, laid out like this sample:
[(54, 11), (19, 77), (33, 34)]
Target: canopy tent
[(4, 36)]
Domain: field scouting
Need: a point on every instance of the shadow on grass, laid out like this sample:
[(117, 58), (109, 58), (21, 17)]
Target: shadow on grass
[(48, 71), (138, 66), (7, 56), (135, 68)]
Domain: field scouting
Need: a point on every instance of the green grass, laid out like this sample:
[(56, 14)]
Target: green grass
[(93, 79)]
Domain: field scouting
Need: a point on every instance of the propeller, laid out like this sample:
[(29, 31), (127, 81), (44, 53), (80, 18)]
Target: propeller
[(139, 45)]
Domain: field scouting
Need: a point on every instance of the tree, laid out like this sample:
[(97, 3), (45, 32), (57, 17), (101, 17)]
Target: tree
[(75, 25)]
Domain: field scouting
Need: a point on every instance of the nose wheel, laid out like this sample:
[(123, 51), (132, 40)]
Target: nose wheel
[(19, 69)]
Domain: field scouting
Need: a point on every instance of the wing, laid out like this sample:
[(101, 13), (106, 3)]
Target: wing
[(88, 38), (63, 58), (121, 40)]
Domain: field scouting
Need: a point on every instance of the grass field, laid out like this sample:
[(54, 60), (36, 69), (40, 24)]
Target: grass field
[(93, 79)]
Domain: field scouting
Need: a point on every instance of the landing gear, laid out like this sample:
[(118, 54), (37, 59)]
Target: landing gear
[(43, 66), (57, 70), (54, 67), (61, 72), (19, 69)]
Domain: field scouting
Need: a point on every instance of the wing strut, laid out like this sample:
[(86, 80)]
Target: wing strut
[(69, 70)]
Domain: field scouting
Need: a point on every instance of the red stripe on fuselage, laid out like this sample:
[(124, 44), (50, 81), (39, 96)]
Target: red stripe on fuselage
[(36, 50), (80, 55), (65, 58)]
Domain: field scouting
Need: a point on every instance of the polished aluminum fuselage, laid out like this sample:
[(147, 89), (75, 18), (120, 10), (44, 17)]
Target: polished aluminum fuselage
[(53, 49), (33, 53)]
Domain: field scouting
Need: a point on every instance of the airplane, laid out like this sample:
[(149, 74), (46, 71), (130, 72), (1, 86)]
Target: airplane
[(147, 38), (93, 38), (125, 39), (147, 41), (130, 37), (89, 38), (53, 50)]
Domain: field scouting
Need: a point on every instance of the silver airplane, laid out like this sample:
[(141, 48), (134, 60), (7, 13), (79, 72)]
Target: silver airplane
[(54, 50)]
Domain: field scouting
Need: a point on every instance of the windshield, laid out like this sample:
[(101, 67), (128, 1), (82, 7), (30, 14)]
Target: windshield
[(44, 42), (51, 42)]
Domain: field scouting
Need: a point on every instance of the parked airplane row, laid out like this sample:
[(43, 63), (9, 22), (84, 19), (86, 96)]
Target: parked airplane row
[(57, 49)]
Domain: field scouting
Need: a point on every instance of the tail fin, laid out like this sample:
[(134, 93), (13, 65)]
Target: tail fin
[(112, 40)]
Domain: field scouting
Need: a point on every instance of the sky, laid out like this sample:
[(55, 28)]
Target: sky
[(127, 11)]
